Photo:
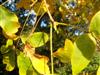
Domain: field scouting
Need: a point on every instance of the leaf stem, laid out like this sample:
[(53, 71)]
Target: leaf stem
[(51, 49), (51, 46), (23, 28)]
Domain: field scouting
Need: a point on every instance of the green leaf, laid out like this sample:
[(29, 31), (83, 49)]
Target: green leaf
[(98, 72), (37, 39), (25, 65), (64, 54), (9, 59), (84, 49), (95, 24), (8, 21)]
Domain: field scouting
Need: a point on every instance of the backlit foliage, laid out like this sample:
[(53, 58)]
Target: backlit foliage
[(38, 35)]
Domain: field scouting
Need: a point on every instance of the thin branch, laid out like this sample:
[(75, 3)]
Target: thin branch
[(51, 49), (33, 29), (4, 2), (34, 26), (23, 28), (51, 46), (33, 3), (51, 18)]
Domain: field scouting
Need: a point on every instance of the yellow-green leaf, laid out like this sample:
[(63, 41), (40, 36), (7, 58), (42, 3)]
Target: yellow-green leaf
[(64, 54), (9, 42), (25, 65), (84, 49), (37, 39), (95, 24), (39, 62), (8, 21), (98, 71)]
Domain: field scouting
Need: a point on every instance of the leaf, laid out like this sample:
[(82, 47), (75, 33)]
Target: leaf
[(25, 65), (64, 54), (4, 50), (98, 71), (37, 39), (69, 47), (10, 36), (9, 59), (25, 4), (95, 24), (9, 43), (8, 22), (85, 47), (39, 62)]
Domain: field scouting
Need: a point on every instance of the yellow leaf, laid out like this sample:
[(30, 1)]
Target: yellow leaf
[(39, 62), (98, 72), (9, 23), (64, 54), (10, 36), (9, 43), (69, 47)]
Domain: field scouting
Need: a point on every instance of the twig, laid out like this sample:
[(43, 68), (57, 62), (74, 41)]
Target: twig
[(46, 6), (4, 2), (34, 26), (51, 49), (51, 46), (23, 28), (33, 29)]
